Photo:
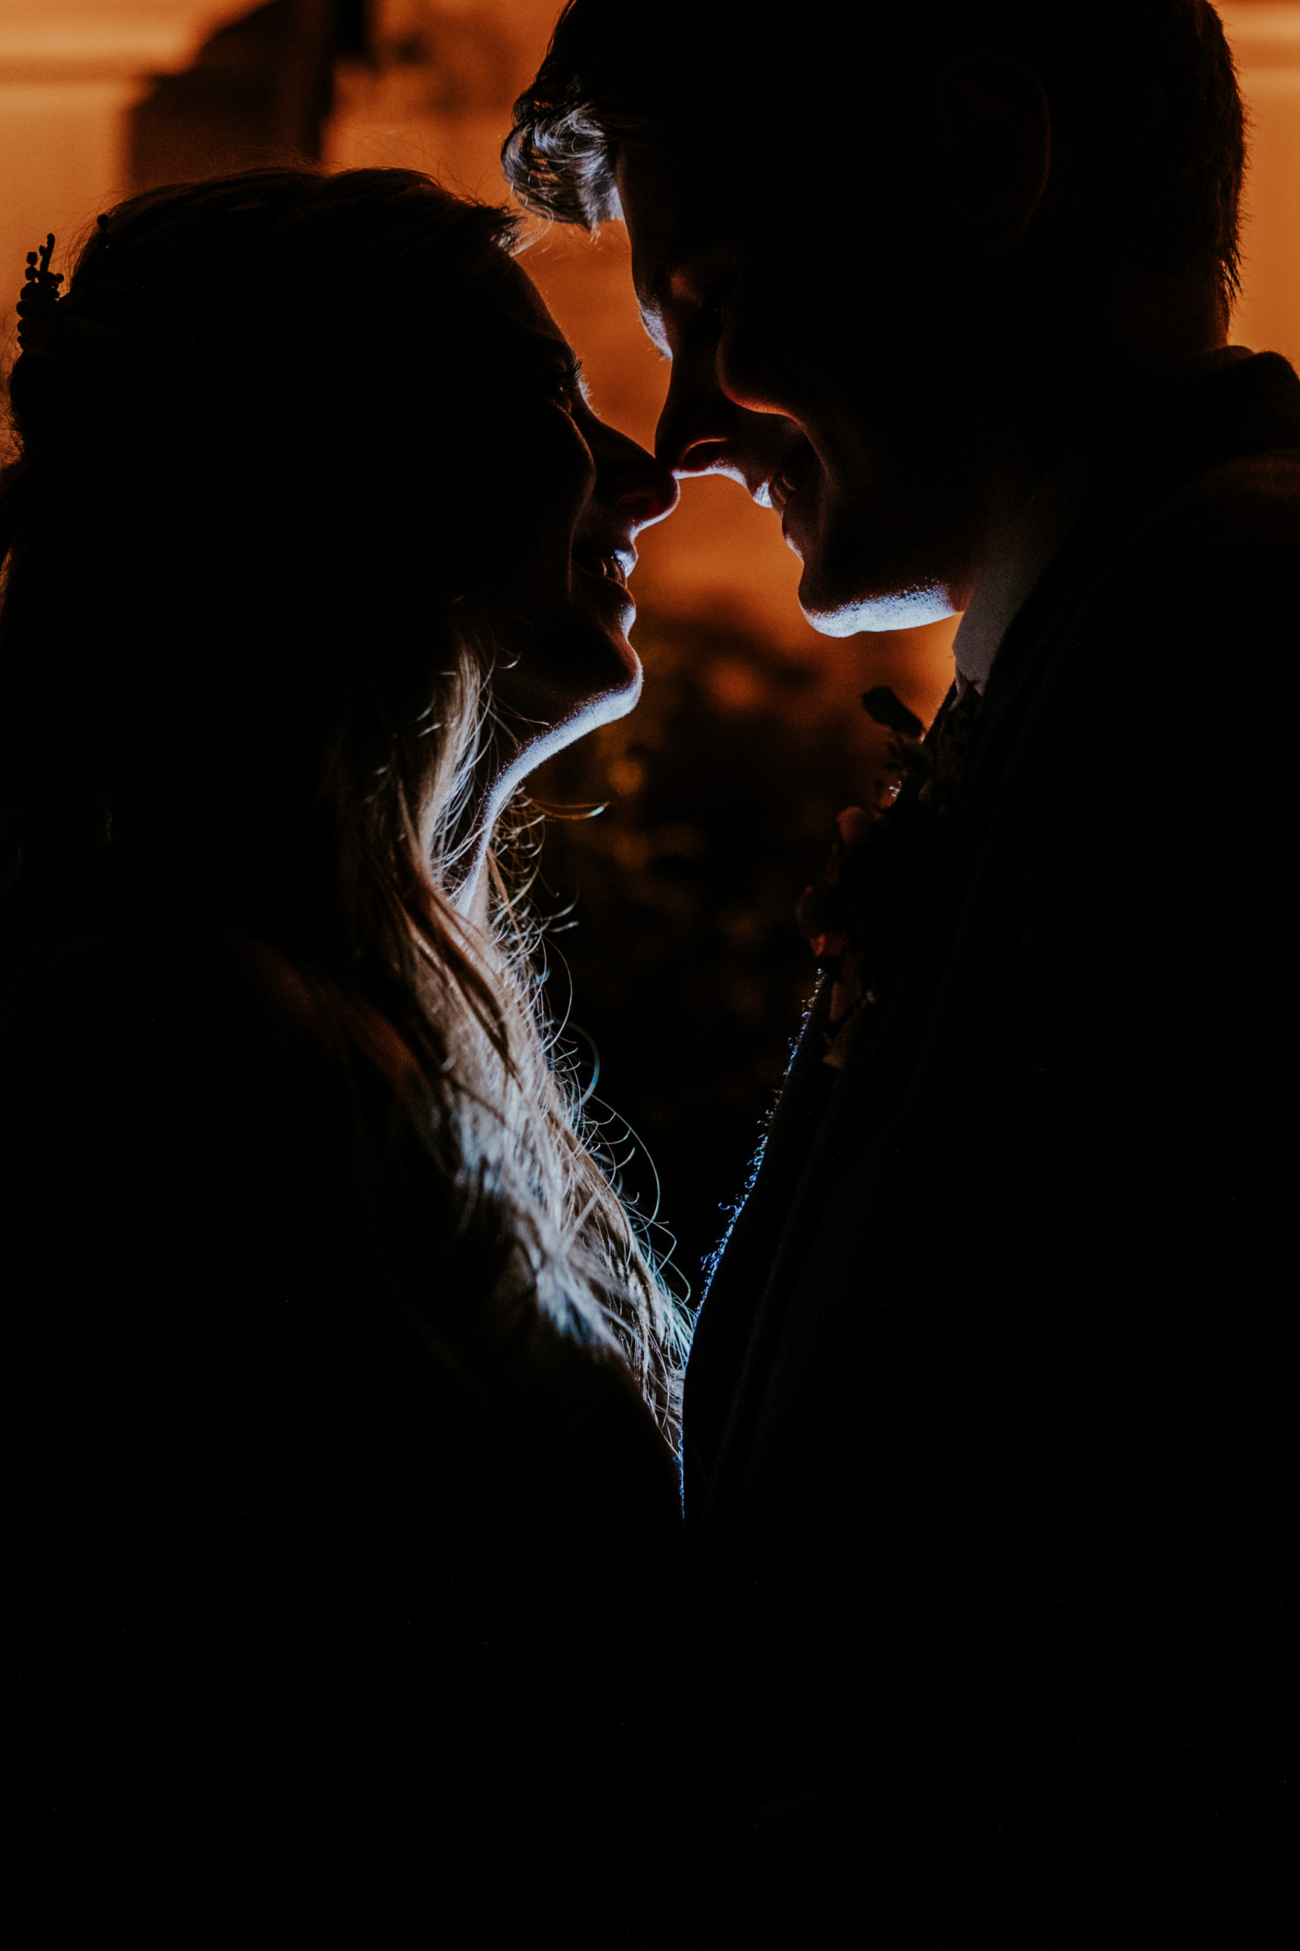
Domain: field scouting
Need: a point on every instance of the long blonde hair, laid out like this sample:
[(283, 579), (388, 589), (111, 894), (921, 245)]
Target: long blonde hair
[(480, 1063), (184, 453)]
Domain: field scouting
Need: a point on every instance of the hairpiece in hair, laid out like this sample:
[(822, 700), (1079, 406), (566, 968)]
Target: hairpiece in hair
[(40, 294)]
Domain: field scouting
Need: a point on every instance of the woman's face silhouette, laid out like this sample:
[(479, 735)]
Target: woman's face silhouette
[(571, 495)]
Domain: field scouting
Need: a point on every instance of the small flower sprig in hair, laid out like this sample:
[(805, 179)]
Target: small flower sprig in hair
[(40, 294)]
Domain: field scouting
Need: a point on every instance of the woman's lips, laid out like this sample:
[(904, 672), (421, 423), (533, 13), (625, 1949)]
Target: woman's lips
[(608, 573), (613, 566)]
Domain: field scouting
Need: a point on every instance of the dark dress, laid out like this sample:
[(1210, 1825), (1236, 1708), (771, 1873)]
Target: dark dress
[(319, 1601), (990, 1412)]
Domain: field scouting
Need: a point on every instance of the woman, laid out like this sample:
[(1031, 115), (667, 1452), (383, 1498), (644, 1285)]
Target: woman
[(342, 1389)]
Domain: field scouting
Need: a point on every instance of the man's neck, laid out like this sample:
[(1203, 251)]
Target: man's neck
[(1034, 435), (1036, 518)]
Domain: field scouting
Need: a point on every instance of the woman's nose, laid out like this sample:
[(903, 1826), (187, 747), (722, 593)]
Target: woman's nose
[(634, 480)]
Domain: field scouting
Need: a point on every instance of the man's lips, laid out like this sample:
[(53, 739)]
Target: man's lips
[(779, 491), (782, 486)]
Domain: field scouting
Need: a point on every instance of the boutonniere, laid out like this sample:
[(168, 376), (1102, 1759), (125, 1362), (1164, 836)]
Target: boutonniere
[(860, 915)]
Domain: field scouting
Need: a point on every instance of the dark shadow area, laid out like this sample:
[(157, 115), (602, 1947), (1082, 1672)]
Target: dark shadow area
[(689, 976)]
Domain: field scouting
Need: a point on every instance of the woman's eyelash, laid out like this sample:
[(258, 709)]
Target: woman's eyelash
[(570, 384)]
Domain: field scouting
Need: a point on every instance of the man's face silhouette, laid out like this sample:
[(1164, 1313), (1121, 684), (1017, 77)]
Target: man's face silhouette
[(820, 367)]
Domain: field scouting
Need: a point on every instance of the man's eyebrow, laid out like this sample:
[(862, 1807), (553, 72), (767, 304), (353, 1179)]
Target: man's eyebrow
[(656, 285), (651, 318), (669, 283), (653, 294)]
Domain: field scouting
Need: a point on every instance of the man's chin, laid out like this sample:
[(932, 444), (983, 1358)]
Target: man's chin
[(905, 609)]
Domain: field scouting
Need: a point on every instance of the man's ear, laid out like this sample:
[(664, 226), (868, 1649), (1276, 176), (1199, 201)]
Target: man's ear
[(992, 130)]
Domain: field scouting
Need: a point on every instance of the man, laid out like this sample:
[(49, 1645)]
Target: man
[(984, 1418)]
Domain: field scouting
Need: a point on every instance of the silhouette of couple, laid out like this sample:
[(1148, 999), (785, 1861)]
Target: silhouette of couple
[(347, 1571)]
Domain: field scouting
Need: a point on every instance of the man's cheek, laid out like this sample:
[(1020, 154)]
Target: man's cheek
[(754, 371)]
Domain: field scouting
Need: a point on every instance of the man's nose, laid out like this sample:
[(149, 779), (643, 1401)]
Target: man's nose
[(695, 429)]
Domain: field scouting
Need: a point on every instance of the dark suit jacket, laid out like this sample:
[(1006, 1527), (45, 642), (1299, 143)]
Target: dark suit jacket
[(325, 1605), (987, 1405)]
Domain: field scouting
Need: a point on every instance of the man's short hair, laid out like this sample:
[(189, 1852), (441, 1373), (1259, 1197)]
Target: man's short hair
[(1144, 90)]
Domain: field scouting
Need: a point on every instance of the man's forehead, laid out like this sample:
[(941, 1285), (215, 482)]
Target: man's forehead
[(680, 223)]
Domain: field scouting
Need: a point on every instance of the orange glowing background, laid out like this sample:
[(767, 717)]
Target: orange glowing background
[(429, 83), (687, 971)]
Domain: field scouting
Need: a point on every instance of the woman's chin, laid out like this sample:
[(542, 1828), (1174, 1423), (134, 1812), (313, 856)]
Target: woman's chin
[(624, 693), (618, 695), (551, 719)]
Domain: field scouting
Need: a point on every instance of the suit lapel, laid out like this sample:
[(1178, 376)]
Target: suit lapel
[(745, 1262)]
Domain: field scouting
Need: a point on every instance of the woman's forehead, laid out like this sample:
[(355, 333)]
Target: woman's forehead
[(521, 304)]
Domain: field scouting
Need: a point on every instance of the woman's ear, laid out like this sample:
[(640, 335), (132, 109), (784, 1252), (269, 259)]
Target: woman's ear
[(992, 133)]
